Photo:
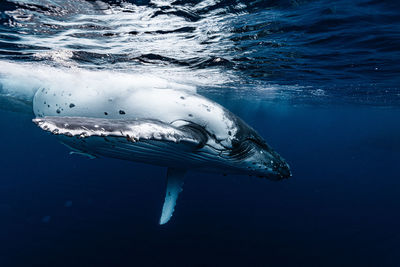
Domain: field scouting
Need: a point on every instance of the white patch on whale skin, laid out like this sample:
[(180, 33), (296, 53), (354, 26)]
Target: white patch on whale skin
[(172, 106)]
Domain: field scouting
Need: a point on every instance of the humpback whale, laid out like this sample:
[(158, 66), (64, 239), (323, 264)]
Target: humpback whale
[(175, 128)]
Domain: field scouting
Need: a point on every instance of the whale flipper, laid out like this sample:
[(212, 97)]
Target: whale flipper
[(175, 181), (133, 130)]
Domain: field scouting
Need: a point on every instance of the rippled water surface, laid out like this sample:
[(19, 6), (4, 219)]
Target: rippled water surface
[(320, 80), (313, 49)]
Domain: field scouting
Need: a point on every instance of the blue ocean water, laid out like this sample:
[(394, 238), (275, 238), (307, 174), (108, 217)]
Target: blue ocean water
[(319, 80)]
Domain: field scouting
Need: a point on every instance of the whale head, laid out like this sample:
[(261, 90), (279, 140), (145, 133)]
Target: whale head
[(255, 157), (244, 152)]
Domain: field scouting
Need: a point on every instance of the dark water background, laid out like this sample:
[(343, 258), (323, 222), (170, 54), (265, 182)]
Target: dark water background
[(318, 79)]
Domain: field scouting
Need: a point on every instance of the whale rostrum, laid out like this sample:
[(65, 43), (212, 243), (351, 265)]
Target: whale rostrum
[(180, 130)]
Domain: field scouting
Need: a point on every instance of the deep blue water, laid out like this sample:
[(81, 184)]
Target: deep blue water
[(318, 80)]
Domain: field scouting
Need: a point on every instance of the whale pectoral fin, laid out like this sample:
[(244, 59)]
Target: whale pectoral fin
[(132, 130), (175, 181)]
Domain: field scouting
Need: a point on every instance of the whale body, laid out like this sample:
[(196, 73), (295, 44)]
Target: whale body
[(178, 129)]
